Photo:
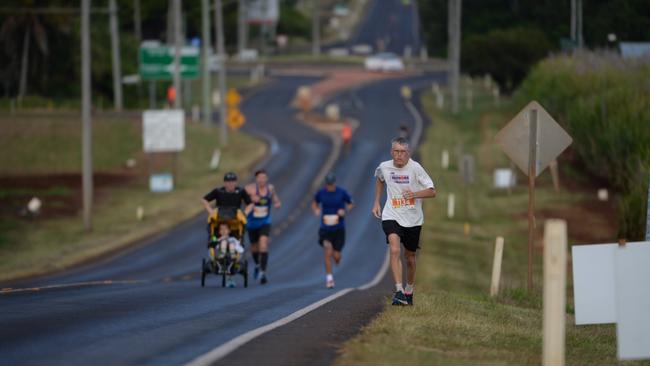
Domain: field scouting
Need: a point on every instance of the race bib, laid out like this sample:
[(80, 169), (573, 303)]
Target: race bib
[(331, 220), (260, 211), (401, 202)]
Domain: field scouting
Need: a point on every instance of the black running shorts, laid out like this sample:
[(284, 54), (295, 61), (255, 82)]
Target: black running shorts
[(409, 236), (336, 237), (254, 234)]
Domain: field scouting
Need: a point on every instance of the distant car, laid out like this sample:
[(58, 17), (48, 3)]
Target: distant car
[(385, 61)]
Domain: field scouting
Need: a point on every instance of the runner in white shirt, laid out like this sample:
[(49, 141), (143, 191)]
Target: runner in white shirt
[(406, 185)]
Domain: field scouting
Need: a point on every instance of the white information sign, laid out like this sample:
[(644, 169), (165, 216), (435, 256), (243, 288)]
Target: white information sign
[(163, 130), (160, 183), (262, 11), (647, 230), (504, 178), (594, 289), (515, 137), (633, 301)]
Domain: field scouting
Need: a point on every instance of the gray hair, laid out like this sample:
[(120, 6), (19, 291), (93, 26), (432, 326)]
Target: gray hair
[(400, 141)]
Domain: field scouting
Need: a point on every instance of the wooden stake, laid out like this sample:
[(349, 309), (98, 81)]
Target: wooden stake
[(496, 266), (451, 203), (555, 259), (555, 175)]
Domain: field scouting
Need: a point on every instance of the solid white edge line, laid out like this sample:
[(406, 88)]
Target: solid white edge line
[(417, 132), (226, 348), (380, 274), (223, 350)]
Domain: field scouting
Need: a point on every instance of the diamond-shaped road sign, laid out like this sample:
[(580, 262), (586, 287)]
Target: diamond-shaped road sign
[(515, 138)]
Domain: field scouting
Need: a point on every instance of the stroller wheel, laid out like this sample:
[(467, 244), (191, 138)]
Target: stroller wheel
[(203, 273)]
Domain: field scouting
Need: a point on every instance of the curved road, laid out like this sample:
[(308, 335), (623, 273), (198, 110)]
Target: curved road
[(154, 311)]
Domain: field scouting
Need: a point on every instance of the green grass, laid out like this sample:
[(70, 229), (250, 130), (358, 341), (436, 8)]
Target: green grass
[(52, 143), (454, 321), (30, 247)]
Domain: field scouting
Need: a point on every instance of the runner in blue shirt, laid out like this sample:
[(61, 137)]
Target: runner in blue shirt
[(330, 204)]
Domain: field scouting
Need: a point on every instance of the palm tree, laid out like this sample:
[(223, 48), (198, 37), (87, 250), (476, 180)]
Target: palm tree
[(30, 23)]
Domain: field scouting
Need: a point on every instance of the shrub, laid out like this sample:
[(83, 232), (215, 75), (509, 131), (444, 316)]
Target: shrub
[(506, 54)]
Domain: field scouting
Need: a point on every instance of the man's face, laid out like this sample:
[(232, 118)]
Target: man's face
[(261, 179), (230, 185), (330, 187), (400, 154)]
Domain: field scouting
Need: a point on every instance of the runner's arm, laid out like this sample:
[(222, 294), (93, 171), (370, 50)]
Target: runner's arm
[(379, 188), (208, 207), (315, 207), (274, 196)]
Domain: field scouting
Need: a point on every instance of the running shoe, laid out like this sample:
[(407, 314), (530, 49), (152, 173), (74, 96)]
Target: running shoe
[(256, 273), (329, 283), (409, 298), (399, 299), (263, 279)]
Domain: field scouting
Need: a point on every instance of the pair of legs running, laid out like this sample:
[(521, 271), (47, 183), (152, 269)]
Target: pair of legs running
[(330, 254), (403, 296)]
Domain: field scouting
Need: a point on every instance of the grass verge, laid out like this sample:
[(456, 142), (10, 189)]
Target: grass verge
[(31, 247), (454, 321)]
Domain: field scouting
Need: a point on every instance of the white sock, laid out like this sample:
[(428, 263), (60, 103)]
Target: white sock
[(398, 287), (409, 288), (329, 277)]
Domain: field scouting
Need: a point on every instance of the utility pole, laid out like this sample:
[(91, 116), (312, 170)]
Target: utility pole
[(315, 28), (207, 78), (454, 51), (242, 27), (221, 54), (137, 21), (86, 134), (579, 25), (576, 23), (177, 53), (115, 46)]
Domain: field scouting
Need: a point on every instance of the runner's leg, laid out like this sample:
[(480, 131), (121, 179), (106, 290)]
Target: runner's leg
[(327, 250), (263, 252), (337, 256), (410, 266), (395, 260)]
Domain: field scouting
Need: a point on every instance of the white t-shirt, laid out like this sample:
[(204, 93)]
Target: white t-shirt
[(407, 213)]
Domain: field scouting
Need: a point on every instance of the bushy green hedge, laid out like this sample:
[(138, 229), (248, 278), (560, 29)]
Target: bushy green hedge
[(604, 103), (505, 54)]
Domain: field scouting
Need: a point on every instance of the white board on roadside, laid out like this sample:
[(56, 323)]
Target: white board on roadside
[(594, 288), (633, 301), (163, 130), (504, 178)]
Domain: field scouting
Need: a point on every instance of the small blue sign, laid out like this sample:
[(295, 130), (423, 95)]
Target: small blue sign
[(161, 183), (195, 42)]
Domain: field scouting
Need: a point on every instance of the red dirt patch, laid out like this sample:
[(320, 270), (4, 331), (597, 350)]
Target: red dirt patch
[(61, 194)]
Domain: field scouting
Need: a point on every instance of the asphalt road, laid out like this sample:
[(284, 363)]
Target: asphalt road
[(145, 305), (395, 24), (155, 312)]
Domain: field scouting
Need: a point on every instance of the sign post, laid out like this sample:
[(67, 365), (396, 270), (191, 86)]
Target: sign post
[(532, 139)]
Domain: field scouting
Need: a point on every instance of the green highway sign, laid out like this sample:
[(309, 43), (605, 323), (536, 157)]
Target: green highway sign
[(157, 62)]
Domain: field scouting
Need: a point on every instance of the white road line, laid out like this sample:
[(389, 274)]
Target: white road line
[(223, 350), (380, 274), (417, 131), (67, 285)]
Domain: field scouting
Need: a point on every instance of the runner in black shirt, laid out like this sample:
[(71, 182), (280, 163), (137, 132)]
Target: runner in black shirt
[(228, 198)]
